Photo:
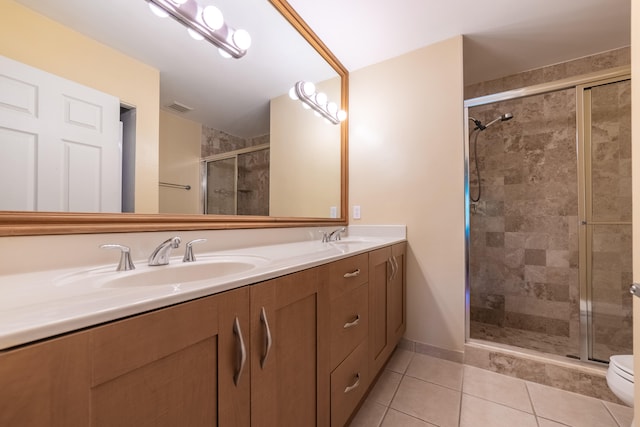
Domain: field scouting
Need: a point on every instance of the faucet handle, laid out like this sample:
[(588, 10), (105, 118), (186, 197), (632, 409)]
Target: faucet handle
[(125, 263), (188, 251), (325, 236)]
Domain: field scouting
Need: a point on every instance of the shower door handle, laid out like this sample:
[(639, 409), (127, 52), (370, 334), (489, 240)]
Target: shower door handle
[(634, 289)]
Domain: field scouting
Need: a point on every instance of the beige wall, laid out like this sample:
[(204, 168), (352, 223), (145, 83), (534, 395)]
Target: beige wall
[(305, 158), (635, 165), (180, 141), (406, 167), (42, 43)]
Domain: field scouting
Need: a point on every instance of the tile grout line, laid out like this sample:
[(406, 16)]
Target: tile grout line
[(461, 395), (533, 408), (615, 420)]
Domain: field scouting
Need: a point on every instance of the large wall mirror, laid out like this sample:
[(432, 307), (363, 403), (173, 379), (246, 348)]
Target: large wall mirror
[(207, 142)]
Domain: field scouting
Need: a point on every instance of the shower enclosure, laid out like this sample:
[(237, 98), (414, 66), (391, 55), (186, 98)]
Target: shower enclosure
[(237, 182), (549, 239)]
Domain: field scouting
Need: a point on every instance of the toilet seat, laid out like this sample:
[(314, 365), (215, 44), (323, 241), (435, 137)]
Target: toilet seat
[(622, 365)]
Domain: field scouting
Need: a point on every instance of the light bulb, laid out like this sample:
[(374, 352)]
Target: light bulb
[(241, 39), (316, 114), (194, 34), (321, 98), (157, 10), (342, 115), (332, 108), (224, 53), (212, 17), (305, 106), (308, 88), (292, 94)]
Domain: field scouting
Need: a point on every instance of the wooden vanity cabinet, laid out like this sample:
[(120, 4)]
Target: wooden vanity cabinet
[(298, 350), (174, 366), (289, 362), (387, 302), (349, 326), (46, 383)]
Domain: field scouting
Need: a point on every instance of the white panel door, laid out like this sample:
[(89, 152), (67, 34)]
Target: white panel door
[(59, 143)]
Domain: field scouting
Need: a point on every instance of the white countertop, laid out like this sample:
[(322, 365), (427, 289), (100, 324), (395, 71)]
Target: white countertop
[(46, 303)]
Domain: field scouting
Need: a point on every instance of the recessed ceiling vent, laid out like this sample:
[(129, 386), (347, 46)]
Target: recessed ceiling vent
[(178, 107)]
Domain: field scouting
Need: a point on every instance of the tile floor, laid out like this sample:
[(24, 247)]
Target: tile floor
[(416, 390)]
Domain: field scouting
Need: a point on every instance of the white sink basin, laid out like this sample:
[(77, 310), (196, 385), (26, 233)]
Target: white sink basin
[(175, 273)]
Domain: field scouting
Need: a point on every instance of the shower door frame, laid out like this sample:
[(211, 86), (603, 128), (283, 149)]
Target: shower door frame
[(585, 214), (578, 83), (204, 183)]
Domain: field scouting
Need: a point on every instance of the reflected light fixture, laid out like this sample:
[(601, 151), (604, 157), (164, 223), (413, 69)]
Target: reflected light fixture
[(306, 93), (204, 22)]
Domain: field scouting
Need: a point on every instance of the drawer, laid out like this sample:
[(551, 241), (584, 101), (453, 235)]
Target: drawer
[(349, 322), (348, 274), (349, 382)]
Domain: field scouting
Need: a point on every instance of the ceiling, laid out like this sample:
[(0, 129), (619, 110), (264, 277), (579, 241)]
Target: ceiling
[(502, 37)]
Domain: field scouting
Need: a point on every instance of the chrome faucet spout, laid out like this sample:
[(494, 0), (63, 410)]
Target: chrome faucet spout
[(161, 254)]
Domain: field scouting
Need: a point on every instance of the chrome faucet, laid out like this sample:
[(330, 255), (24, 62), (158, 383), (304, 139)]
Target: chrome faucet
[(160, 256), (333, 236)]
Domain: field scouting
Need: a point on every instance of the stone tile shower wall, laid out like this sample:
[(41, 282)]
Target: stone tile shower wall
[(524, 236), (524, 246), (253, 168)]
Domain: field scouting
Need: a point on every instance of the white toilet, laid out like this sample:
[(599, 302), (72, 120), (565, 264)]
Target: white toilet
[(620, 378)]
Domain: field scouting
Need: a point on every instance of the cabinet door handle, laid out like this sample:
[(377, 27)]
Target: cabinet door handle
[(397, 267), (242, 351), (352, 323), (393, 268), (354, 385), (267, 337), (353, 273)]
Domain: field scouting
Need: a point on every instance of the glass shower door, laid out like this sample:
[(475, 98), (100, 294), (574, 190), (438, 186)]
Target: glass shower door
[(221, 187), (608, 219)]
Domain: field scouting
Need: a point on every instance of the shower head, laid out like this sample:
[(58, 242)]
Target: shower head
[(502, 118)]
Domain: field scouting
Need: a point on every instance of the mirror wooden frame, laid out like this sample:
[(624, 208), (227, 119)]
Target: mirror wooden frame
[(14, 223)]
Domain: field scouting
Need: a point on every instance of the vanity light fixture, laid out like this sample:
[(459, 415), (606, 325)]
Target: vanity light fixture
[(204, 22), (317, 101)]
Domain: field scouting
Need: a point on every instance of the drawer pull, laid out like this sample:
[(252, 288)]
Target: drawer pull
[(242, 351), (354, 385), (352, 323), (352, 274), (267, 337)]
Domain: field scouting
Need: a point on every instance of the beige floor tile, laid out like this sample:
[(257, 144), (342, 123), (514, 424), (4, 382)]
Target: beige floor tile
[(398, 419), (542, 422), (497, 388), (370, 414), (622, 414), (428, 402), (400, 360), (438, 371), (385, 387), (479, 412), (569, 408)]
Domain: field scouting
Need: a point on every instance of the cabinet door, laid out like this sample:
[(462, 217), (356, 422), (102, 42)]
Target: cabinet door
[(397, 313), (288, 376), (379, 272), (234, 373), (157, 369), (46, 384)]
